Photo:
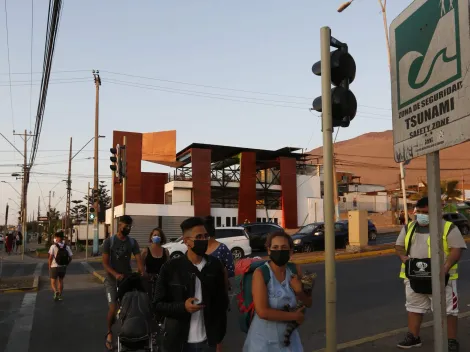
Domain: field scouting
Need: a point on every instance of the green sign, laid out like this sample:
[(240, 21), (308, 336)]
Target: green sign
[(427, 56)]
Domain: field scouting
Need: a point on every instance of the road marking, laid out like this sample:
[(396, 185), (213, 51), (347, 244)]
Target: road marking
[(383, 335), (21, 332)]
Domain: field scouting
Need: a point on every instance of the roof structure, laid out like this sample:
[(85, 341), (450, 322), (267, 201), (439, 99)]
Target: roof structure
[(227, 155)]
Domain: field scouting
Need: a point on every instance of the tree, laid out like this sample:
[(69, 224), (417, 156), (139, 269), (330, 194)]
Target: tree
[(78, 212), (449, 190)]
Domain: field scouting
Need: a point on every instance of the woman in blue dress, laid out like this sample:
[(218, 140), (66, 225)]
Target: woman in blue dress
[(267, 330)]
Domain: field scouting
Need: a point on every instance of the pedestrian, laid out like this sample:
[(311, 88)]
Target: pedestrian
[(284, 288), (117, 253), (154, 257), (413, 248), (191, 295), (18, 241), (60, 256), (9, 243), (221, 252)]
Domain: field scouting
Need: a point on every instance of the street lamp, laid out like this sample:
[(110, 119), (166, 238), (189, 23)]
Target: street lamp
[(344, 6)]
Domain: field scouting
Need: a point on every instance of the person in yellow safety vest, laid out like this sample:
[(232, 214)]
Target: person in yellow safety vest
[(417, 304)]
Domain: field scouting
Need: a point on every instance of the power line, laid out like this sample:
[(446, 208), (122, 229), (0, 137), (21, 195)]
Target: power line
[(9, 69), (31, 76)]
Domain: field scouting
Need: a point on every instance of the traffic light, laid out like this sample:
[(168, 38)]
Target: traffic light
[(343, 72), (118, 160), (92, 213)]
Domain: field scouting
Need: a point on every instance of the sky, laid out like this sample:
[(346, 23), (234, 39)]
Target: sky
[(219, 72)]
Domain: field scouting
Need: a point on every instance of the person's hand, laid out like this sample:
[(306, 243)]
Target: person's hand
[(404, 258), (119, 277), (299, 315), (296, 284), (192, 307)]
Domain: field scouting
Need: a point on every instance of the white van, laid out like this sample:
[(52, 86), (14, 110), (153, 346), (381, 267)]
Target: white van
[(235, 238)]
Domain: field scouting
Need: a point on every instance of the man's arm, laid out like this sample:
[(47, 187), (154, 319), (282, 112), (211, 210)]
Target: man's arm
[(400, 246), (222, 302), (138, 258), (452, 259), (456, 244), (51, 257), (163, 304)]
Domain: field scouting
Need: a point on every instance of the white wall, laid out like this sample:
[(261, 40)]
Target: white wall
[(379, 203), (181, 196), (315, 211), (307, 187), (151, 210)]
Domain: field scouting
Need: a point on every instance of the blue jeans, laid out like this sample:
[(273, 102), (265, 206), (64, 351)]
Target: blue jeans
[(198, 347)]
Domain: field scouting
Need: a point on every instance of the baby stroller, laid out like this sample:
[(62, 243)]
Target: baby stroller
[(134, 315)]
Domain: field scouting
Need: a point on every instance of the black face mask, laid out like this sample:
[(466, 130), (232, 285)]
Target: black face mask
[(200, 247), (126, 231), (280, 257)]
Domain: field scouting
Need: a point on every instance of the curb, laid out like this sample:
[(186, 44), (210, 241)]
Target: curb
[(92, 271), (384, 335), (33, 288), (350, 256)]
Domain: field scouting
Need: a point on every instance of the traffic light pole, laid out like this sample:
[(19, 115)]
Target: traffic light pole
[(87, 220), (113, 180), (328, 206), (124, 178)]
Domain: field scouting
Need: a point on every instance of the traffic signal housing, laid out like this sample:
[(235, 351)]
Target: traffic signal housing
[(92, 214), (343, 73), (118, 161)]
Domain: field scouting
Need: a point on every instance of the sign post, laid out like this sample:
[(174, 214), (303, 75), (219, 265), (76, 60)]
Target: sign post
[(430, 51)]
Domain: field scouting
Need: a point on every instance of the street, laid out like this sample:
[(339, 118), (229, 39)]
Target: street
[(370, 301)]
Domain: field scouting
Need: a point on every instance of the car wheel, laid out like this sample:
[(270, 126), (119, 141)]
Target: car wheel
[(307, 248), (237, 253), (175, 255), (372, 236), (464, 230)]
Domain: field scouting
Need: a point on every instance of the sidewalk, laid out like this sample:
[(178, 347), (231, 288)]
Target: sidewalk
[(389, 343)]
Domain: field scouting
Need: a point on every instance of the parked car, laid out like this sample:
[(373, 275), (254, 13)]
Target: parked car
[(312, 237), (258, 232), (235, 238), (371, 229), (458, 220)]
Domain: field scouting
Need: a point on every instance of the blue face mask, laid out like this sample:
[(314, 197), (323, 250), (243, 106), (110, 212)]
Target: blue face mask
[(156, 239), (422, 219)]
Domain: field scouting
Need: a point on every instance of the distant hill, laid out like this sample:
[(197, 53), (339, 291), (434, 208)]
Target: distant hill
[(370, 156)]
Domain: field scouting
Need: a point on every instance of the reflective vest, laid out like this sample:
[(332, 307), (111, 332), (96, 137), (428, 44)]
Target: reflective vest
[(453, 271)]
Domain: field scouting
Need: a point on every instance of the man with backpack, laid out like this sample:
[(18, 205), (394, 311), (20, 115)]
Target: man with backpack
[(191, 294), (117, 252), (60, 256)]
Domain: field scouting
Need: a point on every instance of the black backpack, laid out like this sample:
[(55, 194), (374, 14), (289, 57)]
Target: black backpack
[(62, 258)]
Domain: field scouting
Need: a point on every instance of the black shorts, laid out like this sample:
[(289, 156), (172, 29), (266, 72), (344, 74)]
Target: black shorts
[(58, 272)]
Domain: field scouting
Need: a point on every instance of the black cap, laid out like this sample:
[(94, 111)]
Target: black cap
[(422, 203)]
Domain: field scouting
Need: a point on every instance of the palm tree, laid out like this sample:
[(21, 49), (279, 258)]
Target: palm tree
[(450, 191)]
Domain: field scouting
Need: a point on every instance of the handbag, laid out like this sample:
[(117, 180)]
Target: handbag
[(419, 272)]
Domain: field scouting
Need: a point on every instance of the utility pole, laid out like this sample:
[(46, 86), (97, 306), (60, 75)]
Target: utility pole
[(124, 173), (463, 187), (6, 224), (97, 79), (87, 219), (113, 180), (335, 191), (68, 226), (24, 192)]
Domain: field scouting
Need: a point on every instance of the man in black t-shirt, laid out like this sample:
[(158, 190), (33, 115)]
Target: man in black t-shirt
[(117, 252)]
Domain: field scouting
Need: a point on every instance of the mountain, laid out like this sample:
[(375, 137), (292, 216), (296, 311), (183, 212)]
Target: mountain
[(370, 156)]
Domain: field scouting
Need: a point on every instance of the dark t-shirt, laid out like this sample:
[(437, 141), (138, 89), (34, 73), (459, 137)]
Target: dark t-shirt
[(120, 254)]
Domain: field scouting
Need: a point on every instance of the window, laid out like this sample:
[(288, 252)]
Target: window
[(258, 219), (227, 221), (264, 220), (339, 227), (218, 221), (275, 220), (234, 221), (226, 233)]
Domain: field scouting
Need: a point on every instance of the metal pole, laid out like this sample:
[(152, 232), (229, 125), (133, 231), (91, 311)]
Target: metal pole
[(69, 190), (328, 163), (437, 253), (25, 180), (87, 219), (112, 201), (335, 191), (6, 224), (95, 187), (124, 179)]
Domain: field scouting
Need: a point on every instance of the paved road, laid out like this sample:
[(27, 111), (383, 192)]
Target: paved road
[(370, 301)]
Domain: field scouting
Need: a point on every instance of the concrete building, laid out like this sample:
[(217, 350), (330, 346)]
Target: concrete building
[(233, 184)]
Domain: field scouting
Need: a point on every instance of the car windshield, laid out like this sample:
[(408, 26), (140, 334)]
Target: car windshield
[(307, 229)]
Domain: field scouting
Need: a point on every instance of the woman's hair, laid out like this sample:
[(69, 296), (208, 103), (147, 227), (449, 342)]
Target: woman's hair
[(273, 235), (162, 235)]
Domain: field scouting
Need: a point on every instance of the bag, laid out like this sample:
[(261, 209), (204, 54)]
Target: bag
[(134, 315), (246, 306), (62, 258)]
